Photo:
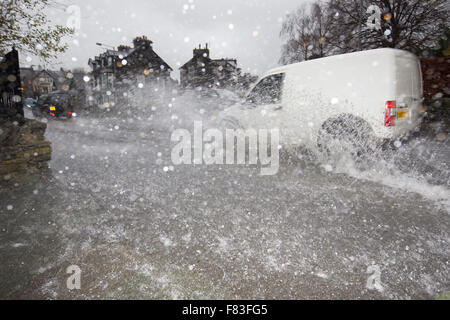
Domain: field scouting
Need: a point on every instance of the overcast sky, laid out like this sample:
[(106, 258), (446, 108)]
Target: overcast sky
[(247, 30)]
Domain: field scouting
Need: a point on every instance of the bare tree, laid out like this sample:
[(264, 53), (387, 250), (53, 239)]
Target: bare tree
[(321, 26), (306, 32), (413, 25)]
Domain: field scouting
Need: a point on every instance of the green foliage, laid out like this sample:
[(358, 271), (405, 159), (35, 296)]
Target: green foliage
[(24, 25)]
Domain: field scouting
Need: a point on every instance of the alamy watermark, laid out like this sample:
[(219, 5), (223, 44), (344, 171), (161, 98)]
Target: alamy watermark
[(211, 147), (374, 280), (74, 280), (374, 20)]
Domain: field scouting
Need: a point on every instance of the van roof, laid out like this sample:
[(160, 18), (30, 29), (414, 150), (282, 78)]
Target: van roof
[(384, 51)]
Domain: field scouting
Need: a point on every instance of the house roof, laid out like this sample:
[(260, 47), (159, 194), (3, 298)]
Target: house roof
[(53, 74), (225, 62), (209, 60), (127, 55), (194, 60), (153, 56), (27, 72)]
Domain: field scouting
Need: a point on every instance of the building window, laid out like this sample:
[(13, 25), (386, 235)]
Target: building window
[(104, 81)]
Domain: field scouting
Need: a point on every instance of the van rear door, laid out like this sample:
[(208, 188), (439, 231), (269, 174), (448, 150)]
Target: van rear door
[(409, 88)]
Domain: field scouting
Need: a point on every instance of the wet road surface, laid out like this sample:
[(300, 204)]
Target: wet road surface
[(139, 228)]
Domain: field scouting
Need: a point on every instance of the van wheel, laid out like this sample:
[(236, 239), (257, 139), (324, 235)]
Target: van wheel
[(347, 135)]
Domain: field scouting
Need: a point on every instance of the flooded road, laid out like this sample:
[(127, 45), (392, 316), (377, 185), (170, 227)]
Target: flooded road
[(140, 228)]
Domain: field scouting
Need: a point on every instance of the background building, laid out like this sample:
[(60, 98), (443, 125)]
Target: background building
[(44, 81), (202, 71), (116, 74)]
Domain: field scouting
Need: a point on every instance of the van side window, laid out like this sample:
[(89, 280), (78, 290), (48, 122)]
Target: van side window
[(267, 91)]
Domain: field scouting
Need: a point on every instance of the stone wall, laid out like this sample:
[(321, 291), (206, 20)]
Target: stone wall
[(23, 149)]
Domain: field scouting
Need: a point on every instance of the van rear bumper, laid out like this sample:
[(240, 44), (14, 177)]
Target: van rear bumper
[(398, 131)]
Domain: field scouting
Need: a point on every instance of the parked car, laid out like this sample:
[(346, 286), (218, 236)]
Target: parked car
[(359, 99), (39, 105), (29, 103), (54, 105)]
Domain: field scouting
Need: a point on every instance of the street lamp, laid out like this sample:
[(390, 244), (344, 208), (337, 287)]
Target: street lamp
[(105, 45)]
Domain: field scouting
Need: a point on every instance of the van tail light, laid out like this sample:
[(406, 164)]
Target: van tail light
[(389, 113)]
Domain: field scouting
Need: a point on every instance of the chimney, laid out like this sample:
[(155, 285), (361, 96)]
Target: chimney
[(201, 53), (139, 41)]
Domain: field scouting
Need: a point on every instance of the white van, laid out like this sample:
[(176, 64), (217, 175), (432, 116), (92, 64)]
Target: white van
[(369, 96)]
